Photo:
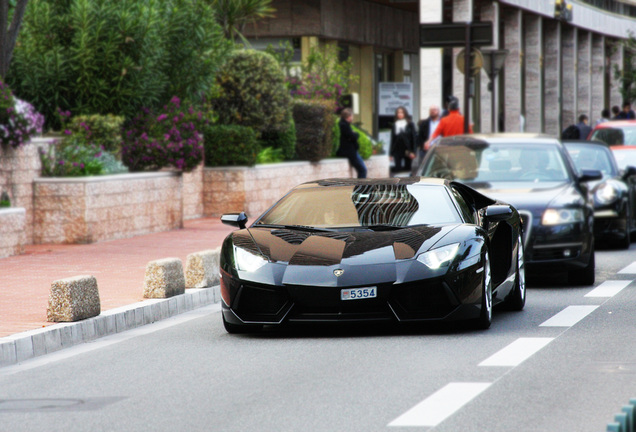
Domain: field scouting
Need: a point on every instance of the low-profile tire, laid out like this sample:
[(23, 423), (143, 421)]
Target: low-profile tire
[(240, 328), (584, 276), (485, 316), (517, 298)]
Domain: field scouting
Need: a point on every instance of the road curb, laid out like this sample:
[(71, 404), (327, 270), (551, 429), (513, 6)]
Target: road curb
[(33, 343)]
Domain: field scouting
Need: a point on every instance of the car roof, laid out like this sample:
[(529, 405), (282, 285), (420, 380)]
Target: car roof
[(616, 123), (623, 147), (334, 182), (501, 138)]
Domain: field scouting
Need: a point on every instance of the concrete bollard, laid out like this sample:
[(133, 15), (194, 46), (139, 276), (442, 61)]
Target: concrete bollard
[(202, 269), (73, 299), (164, 278)]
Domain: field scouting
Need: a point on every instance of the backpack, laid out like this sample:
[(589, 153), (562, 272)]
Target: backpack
[(571, 132)]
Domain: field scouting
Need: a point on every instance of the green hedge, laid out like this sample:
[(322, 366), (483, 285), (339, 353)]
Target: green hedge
[(283, 140), (230, 145), (101, 130), (364, 142), (314, 128)]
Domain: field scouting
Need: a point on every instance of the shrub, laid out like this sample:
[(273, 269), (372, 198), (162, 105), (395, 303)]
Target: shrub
[(170, 138), (230, 145), (19, 121), (283, 139), (71, 157), (251, 92), (269, 155), (364, 142), (102, 130), (335, 136), (314, 125), (96, 56)]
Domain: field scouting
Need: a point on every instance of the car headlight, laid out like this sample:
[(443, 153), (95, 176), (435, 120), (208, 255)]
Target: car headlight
[(436, 258), (606, 193), (561, 216), (248, 261)]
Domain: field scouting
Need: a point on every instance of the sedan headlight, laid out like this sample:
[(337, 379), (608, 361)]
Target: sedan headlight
[(561, 216), (606, 193), (248, 261), (436, 258)]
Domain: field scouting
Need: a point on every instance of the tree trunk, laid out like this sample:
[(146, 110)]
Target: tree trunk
[(8, 36)]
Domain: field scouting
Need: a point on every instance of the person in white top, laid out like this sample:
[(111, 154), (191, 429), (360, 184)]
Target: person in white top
[(403, 138)]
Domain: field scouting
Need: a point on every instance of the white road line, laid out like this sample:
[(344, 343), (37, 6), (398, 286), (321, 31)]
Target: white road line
[(608, 288), (569, 316), (517, 352), (441, 404), (630, 269)]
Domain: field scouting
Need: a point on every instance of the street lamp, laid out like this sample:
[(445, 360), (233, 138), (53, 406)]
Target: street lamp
[(493, 62)]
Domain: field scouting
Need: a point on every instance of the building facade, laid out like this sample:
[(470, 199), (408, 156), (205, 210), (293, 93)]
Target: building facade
[(557, 66)]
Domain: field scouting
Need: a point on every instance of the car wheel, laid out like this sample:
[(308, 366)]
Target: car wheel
[(517, 298), (485, 316), (584, 276), (240, 328)]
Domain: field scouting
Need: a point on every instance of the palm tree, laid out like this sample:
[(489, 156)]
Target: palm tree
[(232, 15)]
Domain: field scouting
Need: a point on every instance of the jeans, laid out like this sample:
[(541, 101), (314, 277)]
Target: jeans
[(358, 164)]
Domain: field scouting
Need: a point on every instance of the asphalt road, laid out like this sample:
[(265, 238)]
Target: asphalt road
[(566, 363)]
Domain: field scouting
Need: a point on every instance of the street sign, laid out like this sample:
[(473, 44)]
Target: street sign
[(476, 61), (454, 34)]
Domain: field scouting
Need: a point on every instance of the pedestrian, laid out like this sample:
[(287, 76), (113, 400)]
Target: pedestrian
[(616, 112), (425, 128), (605, 116), (403, 140), (349, 143), (452, 124), (627, 113), (584, 128)]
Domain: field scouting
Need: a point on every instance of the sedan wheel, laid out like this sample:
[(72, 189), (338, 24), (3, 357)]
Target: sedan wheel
[(485, 316), (517, 298), (583, 276)]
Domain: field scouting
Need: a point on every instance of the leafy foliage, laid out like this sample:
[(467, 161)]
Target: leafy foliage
[(102, 130), (230, 145), (364, 142), (74, 156), (335, 136), (283, 139), (99, 56), (232, 15), (171, 137), (251, 92), (269, 155), (19, 121), (314, 124)]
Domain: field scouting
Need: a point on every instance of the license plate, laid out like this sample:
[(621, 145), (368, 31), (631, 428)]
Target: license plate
[(358, 293)]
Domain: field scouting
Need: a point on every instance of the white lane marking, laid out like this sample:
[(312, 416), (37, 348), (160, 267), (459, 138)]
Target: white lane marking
[(517, 352), (608, 288), (630, 269), (109, 340), (441, 404), (569, 316)]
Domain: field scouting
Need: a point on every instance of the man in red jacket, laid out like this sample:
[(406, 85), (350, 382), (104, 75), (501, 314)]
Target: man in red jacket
[(452, 124)]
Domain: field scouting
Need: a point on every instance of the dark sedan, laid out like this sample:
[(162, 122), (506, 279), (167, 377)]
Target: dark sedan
[(362, 250), (614, 200), (536, 175)]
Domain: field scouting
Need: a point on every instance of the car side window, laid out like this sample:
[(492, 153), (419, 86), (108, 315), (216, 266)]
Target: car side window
[(467, 211)]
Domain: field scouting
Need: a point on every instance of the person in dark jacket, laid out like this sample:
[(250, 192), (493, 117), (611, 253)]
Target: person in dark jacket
[(349, 143), (403, 140)]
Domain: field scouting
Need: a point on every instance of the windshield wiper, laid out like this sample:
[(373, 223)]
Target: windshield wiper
[(293, 227), (383, 227)]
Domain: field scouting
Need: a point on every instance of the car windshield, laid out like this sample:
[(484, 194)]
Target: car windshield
[(591, 157), (615, 135), (379, 205), (483, 162), (624, 157)]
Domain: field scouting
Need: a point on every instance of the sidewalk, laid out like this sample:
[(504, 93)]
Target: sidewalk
[(118, 265)]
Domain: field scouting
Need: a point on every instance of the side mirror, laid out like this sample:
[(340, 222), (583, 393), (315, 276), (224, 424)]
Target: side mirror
[(629, 172), (590, 175), (497, 213), (238, 220)]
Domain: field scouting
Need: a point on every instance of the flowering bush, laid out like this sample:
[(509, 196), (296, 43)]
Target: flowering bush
[(101, 130), (170, 138), (19, 121), (72, 157)]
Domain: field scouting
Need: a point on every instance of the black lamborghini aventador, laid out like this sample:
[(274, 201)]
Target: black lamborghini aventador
[(409, 249)]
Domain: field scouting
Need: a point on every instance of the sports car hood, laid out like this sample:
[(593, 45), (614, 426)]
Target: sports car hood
[(530, 195), (378, 252)]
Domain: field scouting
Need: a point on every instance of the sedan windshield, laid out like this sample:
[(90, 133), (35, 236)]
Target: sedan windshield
[(482, 162), (378, 206), (592, 157)]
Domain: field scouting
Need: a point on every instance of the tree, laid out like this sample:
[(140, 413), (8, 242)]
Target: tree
[(626, 75), (9, 35), (233, 15)]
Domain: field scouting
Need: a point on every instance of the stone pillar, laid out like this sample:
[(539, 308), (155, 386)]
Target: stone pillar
[(569, 78), (489, 11), (307, 43), (584, 76), (597, 78), (367, 84), (431, 59), (533, 29), (552, 79), (398, 66), (512, 69), (617, 59), (462, 12)]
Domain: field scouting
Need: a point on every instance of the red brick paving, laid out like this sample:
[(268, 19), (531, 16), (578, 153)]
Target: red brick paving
[(118, 265)]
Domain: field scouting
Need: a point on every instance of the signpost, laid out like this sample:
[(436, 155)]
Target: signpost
[(467, 34)]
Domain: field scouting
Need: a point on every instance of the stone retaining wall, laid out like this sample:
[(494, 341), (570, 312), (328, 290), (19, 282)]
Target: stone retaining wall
[(255, 189), (12, 231), (90, 209)]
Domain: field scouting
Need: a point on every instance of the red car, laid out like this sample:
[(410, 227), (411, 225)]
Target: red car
[(615, 132)]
